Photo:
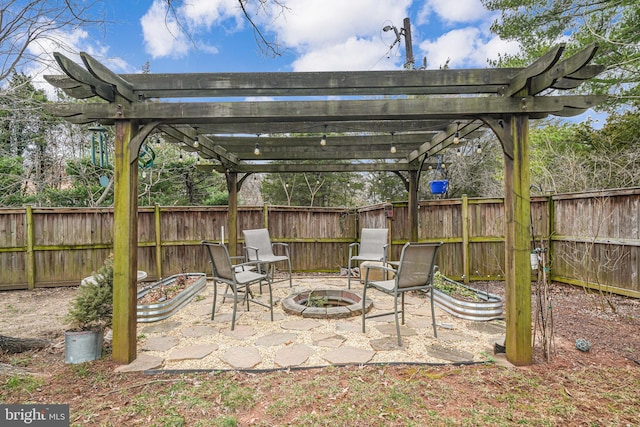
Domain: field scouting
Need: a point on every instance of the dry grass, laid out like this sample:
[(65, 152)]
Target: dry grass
[(356, 396)]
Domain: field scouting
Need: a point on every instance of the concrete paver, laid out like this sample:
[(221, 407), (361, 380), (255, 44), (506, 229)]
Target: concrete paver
[(190, 339)]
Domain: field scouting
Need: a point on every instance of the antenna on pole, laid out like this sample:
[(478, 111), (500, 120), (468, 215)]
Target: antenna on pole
[(408, 47)]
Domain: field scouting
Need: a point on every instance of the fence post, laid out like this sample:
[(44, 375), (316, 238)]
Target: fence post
[(30, 255), (465, 239), (265, 216), (158, 226), (551, 225)]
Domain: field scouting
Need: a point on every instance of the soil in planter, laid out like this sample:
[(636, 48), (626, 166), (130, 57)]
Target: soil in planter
[(456, 291), (168, 291)]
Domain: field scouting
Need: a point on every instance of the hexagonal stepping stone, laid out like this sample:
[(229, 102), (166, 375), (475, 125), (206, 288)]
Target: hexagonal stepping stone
[(293, 355), (240, 332), (423, 310), (266, 316), (276, 339), (143, 362), (241, 357), (202, 310), (161, 327), (193, 352), (412, 300), (385, 344), (383, 304), (419, 323), (487, 327), (454, 336), (450, 354), (226, 317), (390, 329), (163, 343), (332, 341), (354, 326), (301, 325), (344, 355), (199, 331)]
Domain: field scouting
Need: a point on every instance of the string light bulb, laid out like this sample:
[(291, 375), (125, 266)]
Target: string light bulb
[(180, 159), (458, 153), (479, 149), (196, 140), (393, 148), (456, 138), (256, 150), (323, 140)]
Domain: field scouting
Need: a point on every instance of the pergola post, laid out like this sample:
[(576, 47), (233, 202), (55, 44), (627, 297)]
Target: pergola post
[(518, 242), (125, 244), (232, 187), (413, 205)]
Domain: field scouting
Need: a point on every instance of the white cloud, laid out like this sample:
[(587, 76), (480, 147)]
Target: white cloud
[(210, 13), (454, 11), (317, 23), (464, 48), (354, 54), (162, 34)]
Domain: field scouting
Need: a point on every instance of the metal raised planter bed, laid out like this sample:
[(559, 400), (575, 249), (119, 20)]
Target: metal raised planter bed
[(163, 309), (490, 308)]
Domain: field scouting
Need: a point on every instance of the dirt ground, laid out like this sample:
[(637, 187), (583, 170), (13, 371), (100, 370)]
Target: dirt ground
[(614, 337)]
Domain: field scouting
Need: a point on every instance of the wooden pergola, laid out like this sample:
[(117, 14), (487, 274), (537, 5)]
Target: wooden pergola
[(361, 113)]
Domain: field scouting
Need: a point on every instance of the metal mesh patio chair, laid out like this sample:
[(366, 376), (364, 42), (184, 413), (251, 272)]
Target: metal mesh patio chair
[(372, 247), (237, 277), (414, 273), (258, 247)]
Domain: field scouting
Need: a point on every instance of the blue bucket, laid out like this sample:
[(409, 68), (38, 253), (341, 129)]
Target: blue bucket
[(439, 186)]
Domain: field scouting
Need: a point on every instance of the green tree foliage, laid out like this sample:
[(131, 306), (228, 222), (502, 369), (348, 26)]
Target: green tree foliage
[(383, 186), (11, 179), (475, 168), (82, 186), (27, 135), (578, 157), (175, 180), (613, 24), (312, 189), (92, 308)]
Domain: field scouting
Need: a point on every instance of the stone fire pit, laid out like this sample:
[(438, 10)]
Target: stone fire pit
[(325, 304)]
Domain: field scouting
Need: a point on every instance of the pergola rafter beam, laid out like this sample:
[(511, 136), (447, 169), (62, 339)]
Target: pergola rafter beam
[(81, 75), (299, 168), (564, 68), (102, 73), (319, 111)]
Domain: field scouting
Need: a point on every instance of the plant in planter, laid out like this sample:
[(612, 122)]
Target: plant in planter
[(91, 311), (464, 301)]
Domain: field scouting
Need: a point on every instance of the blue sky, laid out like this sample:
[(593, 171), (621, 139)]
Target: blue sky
[(315, 35)]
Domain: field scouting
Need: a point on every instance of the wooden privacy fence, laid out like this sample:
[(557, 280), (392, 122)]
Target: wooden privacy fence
[(592, 239)]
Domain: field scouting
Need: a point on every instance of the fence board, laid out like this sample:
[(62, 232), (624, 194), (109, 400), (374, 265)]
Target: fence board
[(71, 243)]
